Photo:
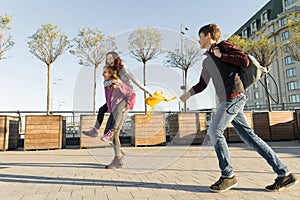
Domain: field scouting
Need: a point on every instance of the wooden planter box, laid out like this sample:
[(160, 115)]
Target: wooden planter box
[(86, 123), (148, 131), (187, 128), (274, 125), (231, 134), (297, 123), (45, 132), (9, 132)]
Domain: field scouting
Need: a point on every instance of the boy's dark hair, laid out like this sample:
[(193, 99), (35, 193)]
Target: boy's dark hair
[(213, 29)]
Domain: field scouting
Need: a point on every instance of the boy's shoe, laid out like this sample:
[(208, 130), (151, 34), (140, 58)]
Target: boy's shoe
[(108, 137), (91, 133), (115, 163), (223, 184), (282, 182)]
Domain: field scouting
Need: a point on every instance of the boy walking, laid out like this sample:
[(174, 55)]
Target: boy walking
[(222, 66)]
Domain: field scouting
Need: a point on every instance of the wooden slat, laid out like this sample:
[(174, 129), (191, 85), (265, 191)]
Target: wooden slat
[(261, 125), (9, 132), (86, 122), (187, 128), (45, 132), (148, 131), (282, 125)]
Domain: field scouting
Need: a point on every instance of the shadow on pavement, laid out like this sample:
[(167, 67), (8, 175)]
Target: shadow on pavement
[(11, 178)]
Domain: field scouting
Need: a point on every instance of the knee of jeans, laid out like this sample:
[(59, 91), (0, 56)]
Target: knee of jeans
[(214, 134)]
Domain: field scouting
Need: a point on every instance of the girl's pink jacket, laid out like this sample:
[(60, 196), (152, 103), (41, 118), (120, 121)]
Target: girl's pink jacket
[(115, 95)]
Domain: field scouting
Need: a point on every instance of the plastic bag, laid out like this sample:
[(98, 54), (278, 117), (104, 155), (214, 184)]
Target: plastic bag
[(157, 98)]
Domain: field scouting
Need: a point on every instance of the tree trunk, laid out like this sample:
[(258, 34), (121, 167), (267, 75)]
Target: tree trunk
[(95, 87), (268, 96), (185, 85), (48, 89), (144, 77)]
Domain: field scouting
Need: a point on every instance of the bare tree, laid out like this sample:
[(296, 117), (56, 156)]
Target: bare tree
[(263, 49), (6, 42), (91, 47), (46, 44), (184, 59), (144, 46)]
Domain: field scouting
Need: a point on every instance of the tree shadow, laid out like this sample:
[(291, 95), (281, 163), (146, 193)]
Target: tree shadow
[(13, 178), (61, 165), (102, 166)]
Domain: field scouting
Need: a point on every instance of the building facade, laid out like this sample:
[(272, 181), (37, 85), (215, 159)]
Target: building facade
[(285, 70)]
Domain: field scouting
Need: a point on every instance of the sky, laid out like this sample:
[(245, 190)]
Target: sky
[(23, 78)]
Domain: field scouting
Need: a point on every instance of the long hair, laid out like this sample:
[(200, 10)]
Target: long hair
[(117, 60), (114, 75)]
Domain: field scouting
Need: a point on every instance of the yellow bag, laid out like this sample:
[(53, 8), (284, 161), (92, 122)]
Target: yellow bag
[(157, 98)]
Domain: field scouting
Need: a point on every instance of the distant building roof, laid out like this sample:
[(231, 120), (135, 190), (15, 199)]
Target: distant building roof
[(273, 7)]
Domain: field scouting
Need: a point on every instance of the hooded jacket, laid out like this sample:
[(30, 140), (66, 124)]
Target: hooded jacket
[(114, 96)]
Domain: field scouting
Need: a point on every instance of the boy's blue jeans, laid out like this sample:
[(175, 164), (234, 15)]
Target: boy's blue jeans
[(232, 111)]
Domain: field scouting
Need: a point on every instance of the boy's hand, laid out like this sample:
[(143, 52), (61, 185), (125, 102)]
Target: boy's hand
[(185, 97), (117, 82), (217, 52)]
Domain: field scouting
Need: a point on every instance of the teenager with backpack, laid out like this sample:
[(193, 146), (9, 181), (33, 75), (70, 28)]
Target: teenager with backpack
[(222, 66)]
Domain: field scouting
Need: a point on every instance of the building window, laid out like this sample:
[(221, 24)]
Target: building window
[(289, 60), (283, 21), (289, 2), (245, 33), (292, 85), (291, 73), (254, 26), (285, 35), (255, 85), (257, 105), (287, 48), (295, 98), (256, 96), (264, 17)]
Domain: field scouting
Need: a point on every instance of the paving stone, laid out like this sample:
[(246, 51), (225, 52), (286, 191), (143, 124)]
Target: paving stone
[(152, 173)]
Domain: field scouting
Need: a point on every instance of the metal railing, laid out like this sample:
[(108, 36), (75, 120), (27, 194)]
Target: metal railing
[(73, 118), (275, 107)]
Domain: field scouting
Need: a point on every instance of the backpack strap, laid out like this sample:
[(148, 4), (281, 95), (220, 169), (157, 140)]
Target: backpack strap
[(277, 89)]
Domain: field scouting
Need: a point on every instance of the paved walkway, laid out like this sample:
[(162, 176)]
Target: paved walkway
[(162, 173)]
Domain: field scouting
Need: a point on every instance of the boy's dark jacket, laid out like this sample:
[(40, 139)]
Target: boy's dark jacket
[(223, 71)]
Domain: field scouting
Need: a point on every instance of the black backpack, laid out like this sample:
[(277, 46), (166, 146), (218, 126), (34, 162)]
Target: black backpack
[(253, 73)]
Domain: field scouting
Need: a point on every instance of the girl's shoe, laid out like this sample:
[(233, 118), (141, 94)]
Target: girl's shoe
[(108, 137), (91, 133), (115, 163)]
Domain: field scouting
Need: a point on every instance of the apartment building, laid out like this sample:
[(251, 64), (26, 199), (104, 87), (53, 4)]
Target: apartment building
[(286, 71)]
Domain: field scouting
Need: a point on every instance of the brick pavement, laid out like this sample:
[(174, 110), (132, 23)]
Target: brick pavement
[(163, 172)]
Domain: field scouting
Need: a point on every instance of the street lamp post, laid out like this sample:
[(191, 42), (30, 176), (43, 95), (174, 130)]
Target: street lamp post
[(183, 30)]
